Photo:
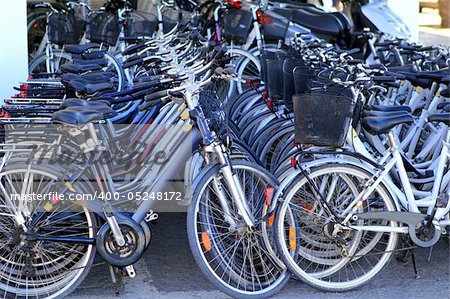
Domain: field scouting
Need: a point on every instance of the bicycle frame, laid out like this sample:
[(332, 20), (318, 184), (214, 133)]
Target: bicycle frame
[(411, 202)]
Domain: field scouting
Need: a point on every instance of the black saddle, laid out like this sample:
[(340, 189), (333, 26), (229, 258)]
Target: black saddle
[(367, 113), (411, 77), (75, 102), (388, 108), (101, 61), (320, 22), (444, 106), (80, 49), (442, 117), (376, 125), (81, 115), (94, 77), (87, 88), (445, 93), (436, 76), (79, 68)]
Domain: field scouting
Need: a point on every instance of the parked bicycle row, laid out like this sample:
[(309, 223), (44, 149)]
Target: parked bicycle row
[(296, 155)]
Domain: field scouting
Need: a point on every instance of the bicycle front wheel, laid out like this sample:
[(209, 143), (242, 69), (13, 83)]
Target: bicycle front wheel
[(240, 261), (304, 229)]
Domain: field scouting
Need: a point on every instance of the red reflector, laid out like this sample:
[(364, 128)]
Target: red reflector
[(268, 194), (24, 86), (264, 95), (293, 162), (263, 19)]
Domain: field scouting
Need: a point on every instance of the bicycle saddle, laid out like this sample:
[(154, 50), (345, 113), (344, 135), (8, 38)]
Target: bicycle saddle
[(93, 77), (388, 108), (441, 117), (367, 113), (411, 77), (85, 87), (79, 68), (75, 102), (96, 54), (376, 125), (445, 93), (319, 22), (79, 116), (79, 49), (101, 61), (444, 106), (435, 75)]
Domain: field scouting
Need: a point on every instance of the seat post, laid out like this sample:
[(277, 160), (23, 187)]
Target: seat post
[(391, 140)]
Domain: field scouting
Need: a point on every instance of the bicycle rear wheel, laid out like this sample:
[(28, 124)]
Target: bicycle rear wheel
[(240, 262), (303, 229), (31, 267)]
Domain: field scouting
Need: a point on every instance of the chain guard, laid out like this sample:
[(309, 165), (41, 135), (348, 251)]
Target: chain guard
[(135, 242)]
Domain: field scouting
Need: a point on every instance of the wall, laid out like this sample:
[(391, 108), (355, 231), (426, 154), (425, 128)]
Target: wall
[(13, 49)]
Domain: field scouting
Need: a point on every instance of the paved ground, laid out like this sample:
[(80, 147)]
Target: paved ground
[(430, 32), (168, 270)]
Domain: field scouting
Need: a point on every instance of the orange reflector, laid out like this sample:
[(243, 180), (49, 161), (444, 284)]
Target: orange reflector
[(268, 194), (292, 241), (206, 241), (271, 219), (307, 207), (35, 25)]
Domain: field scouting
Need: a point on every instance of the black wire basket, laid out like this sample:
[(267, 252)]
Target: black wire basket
[(288, 79), (103, 27), (275, 74), (171, 17), (65, 29), (237, 24), (140, 24), (322, 117)]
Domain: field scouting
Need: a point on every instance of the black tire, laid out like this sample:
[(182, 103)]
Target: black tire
[(199, 255)]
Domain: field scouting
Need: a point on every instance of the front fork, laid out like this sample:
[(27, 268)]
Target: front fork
[(232, 182)]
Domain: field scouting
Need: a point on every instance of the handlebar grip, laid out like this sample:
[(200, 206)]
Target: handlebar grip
[(132, 63), (133, 49), (353, 51), (383, 44), (131, 58), (381, 79), (156, 95), (423, 49), (355, 61), (223, 50), (395, 75), (151, 104)]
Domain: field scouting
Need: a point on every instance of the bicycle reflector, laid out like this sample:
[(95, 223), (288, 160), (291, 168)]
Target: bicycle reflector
[(268, 194), (206, 241), (262, 18), (235, 3)]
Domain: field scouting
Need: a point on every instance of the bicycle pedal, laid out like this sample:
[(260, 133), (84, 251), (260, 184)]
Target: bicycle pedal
[(130, 271)]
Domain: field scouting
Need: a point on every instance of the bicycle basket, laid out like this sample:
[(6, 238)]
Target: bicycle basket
[(276, 28), (275, 74), (288, 80), (303, 79), (322, 117), (103, 28), (140, 24), (237, 24), (65, 29), (171, 17)]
